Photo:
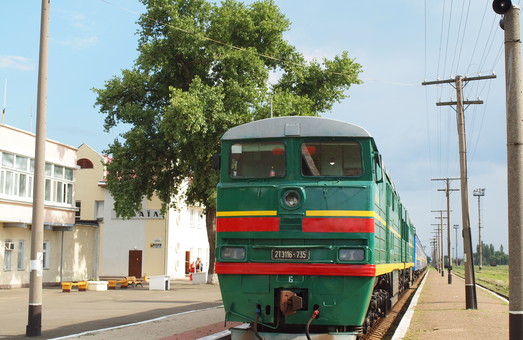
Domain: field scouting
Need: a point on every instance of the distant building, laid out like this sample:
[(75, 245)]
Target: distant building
[(147, 244), (16, 205), (83, 238), (89, 201)]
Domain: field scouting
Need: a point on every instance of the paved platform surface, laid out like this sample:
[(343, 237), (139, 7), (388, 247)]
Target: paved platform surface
[(64, 314), (441, 312)]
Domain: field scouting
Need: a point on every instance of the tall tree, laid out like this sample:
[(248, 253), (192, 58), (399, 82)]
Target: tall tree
[(202, 69)]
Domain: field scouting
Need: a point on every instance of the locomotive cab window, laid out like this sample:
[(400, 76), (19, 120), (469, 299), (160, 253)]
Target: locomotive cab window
[(336, 159), (257, 160)]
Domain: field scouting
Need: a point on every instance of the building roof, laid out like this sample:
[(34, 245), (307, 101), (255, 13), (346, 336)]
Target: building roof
[(31, 134)]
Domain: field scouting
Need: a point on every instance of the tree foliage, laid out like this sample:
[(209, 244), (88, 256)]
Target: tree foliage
[(202, 69), (490, 255)]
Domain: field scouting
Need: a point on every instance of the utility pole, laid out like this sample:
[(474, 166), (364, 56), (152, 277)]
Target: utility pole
[(448, 190), (514, 102), (433, 243), (440, 230), (436, 249), (456, 227), (470, 280), (34, 324), (480, 192)]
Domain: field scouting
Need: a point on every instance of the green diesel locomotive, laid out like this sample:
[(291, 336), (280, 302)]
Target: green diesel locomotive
[(311, 235)]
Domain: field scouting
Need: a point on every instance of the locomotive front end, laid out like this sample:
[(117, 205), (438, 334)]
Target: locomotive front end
[(295, 225)]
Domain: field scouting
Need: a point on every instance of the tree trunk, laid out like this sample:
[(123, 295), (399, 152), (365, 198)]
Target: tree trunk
[(210, 223)]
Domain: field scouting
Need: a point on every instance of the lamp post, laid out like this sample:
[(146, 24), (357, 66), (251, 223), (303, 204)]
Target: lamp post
[(456, 227), (479, 193)]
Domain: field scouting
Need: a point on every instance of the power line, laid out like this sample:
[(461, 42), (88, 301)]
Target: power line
[(448, 38), (463, 37), (457, 36), (477, 39), (470, 282), (441, 35)]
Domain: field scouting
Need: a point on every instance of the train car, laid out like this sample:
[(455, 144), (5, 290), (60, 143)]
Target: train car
[(420, 258), (312, 237)]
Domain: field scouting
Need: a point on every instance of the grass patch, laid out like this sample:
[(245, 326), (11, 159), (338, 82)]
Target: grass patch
[(495, 278)]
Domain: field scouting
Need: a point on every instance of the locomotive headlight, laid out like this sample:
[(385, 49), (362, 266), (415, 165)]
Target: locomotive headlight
[(233, 253), (351, 254), (292, 198)]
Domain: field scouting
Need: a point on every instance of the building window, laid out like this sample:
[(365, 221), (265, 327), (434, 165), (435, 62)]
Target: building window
[(59, 186), (8, 160), (77, 214), (84, 163), (47, 190), (191, 218), (16, 179), (99, 210), (21, 163), (45, 253), (20, 261), (8, 255)]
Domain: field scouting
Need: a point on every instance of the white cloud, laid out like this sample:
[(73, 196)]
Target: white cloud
[(79, 43), (75, 19), (16, 62), (79, 21), (80, 33)]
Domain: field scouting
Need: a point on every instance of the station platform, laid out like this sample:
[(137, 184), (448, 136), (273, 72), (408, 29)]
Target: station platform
[(131, 314), (438, 311)]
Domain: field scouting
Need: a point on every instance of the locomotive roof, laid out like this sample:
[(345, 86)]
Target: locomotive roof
[(295, 126)]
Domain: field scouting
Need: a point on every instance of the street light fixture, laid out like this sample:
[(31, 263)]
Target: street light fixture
[(479, 193)]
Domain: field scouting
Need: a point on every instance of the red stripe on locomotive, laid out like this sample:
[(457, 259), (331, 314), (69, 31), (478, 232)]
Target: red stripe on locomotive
[(338, 225), (296, 269), (239, 224)]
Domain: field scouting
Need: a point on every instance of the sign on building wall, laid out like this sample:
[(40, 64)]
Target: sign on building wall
[(157, 243), (144, 214)]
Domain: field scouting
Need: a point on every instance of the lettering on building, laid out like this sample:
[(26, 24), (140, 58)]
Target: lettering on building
[(145, 214)]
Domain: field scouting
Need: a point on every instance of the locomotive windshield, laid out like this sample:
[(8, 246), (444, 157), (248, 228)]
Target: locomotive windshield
[(337, 159), (257, 160)]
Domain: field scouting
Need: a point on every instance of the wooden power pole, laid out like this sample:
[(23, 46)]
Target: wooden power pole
[(470, 280), (448, 190), (440, 238)]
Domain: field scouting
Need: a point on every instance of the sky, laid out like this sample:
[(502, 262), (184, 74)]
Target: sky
[(399, 44)]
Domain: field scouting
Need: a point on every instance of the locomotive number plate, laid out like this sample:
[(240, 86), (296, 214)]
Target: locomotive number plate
[(290, 254)]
